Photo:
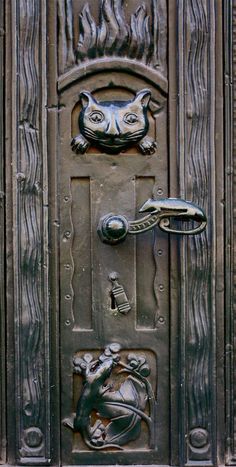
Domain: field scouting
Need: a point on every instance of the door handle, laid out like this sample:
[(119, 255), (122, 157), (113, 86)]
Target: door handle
[(113, 229)]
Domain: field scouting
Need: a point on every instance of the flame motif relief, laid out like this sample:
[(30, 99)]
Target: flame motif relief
[(113, 35), (139, 37)]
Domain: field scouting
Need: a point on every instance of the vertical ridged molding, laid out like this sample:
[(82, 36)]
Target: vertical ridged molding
[(30, 227), (233, 231), (230, 218), (2, 244), (197, 184)]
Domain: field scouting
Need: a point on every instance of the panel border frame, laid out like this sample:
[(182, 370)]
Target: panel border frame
[(2, 243), (27, 249), (230, 226)]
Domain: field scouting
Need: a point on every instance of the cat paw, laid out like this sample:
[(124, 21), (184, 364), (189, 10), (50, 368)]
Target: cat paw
[(147, 146), (79, 144)]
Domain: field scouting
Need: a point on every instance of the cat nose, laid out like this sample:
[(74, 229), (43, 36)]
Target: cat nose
[(112, 128)]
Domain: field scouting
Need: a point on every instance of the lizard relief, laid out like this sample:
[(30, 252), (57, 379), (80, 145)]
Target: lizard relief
[(119, 412)]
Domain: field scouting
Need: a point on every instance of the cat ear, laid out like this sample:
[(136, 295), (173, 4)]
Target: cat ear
[(143, 97), (86, 98)]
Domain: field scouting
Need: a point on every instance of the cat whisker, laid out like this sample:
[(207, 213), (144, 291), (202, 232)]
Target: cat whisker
[(134, 138), (89, 132), (137, 134), (93, 137)]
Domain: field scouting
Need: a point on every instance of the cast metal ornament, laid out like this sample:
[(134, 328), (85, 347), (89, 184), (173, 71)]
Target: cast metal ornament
[(114, 126), (113, 229), (119, 294), (125, 408)]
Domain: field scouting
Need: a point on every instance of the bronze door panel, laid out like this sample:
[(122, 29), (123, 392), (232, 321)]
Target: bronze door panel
[(93, 184), (113, 157), (119, 233), (106, 168)]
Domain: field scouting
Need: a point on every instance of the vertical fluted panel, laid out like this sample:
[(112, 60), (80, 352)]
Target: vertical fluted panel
[(199, 342), (32, 400), (197, 185)]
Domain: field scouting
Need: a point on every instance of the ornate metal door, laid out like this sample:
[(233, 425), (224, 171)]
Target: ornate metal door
[(116, 229), (97, 180), (115, 290)]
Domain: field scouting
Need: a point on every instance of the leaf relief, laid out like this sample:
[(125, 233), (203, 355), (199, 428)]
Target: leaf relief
[(119, 410)]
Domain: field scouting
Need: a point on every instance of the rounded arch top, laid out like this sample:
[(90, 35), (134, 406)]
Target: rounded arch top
[(119, 66)]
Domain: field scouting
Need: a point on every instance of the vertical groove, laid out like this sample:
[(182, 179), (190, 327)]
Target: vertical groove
[(230, 268), (233, 214), (2, 244), (155, 32), (180, 64), (233, 229)]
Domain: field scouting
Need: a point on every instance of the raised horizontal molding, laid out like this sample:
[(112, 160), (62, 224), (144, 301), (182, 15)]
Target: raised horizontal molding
[(113, 64)]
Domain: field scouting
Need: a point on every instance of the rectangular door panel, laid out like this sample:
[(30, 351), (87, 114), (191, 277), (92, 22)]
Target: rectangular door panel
[(114, 298), (92, 185)]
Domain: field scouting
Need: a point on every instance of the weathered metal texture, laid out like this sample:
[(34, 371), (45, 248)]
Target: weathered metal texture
[(94, 182), (197, 182), (2, 244), (87, 189), (230, 193), (196, 61), (30, 227)]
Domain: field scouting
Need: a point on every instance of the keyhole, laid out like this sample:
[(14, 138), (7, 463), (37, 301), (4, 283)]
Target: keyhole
[(113, 301)]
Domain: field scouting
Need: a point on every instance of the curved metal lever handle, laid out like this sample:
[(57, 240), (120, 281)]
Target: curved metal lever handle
[(113, 229)]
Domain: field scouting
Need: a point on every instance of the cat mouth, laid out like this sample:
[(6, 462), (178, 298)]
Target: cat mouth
[(113, 146), (113, 142), (108, 141)]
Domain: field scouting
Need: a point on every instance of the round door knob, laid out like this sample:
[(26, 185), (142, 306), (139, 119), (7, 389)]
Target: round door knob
[(113, 229)]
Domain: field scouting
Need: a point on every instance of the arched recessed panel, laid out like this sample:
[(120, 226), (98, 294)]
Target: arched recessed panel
[(113, 156)]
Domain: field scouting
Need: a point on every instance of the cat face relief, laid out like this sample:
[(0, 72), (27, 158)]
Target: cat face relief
[(114, 126)]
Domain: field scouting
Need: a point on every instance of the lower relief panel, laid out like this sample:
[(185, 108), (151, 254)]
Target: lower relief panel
[(114, 401)]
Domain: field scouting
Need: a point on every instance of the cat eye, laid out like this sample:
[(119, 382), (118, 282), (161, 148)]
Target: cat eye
[(96, 117), (130, 118)]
